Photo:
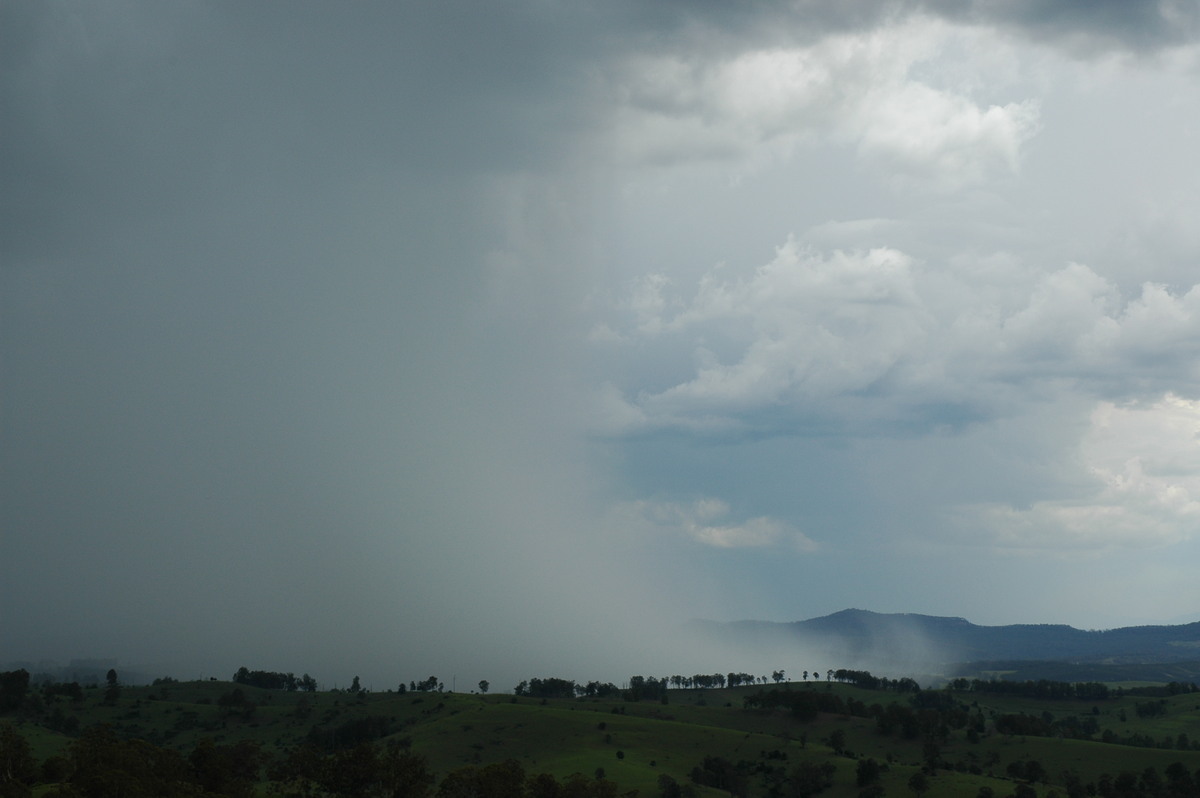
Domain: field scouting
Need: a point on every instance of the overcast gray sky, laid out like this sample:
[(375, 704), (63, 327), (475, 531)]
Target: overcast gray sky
[(491, 340)]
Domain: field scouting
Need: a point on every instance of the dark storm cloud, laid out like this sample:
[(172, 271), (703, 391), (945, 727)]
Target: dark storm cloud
[(120, 117), (253, 380), (290, 334), (1085, 26), (1137, 25)]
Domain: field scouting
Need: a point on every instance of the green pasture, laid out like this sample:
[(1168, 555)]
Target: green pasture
[(634, 743)]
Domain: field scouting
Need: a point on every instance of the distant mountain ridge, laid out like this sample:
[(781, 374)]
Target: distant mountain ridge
[(906, 639)]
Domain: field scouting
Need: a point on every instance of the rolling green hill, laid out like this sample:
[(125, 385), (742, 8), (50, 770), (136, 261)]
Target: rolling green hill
[(750, 740)]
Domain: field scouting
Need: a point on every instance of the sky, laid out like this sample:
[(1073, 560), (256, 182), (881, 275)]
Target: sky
[(493, 341)]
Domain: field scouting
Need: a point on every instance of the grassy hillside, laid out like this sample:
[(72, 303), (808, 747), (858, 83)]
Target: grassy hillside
[(634, 743)]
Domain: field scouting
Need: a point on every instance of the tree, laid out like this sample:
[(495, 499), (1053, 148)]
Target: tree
[(13, 686), (918, 783), (102, 764), (18, 769), (226, 769), (236, 701), (402, 773), (809, 778), (867, 772), (355, 686), (484, 685), (777, 676), (113, 691)]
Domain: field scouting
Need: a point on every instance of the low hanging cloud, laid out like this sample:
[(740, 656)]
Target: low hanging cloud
[(707, 521), (1144, 464), (853, 88), (875, 337)]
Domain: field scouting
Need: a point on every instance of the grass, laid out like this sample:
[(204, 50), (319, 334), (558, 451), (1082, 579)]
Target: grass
[(562, 737)]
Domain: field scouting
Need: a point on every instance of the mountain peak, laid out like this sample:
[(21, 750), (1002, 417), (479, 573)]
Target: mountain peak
[(865, 638)]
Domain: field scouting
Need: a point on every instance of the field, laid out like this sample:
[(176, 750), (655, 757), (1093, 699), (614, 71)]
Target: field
[(634, 743)]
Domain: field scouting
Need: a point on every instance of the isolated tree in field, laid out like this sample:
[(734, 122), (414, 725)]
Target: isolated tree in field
[(113, 691), (355, 686), (777, 676), (918, 783), (668, 787), (484, 685), (867, 772)]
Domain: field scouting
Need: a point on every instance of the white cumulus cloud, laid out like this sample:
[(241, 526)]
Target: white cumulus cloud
[(707, 521), (859, 88), (1144, 464), (873, 336)]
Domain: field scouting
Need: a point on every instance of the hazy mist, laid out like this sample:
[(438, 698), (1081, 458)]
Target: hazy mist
[(498, 341)]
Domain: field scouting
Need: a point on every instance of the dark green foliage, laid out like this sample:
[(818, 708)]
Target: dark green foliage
[(13, 687), (867, 772), (738, 679), (113, 691), (426, 685), (271, 680), (809, 778), (361, 771), (716, 771), (54, 769), (643, 688), (546, 688), (348, 747), (351, 733), (1151, 709), (501, 779), (230, 770), (803, 704), (18, 769), (865, 680), (1022, 724), (1042, 689), (103, 764), (71, 690), (598, 690)]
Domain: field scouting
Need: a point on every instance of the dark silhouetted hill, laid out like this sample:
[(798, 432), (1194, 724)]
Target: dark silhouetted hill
[(905, 640)]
